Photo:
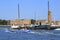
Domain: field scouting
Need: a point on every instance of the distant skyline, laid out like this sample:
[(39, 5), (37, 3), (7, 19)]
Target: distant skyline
[(29, 9)]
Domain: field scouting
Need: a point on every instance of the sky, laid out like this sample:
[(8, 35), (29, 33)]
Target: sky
[(29, 9)]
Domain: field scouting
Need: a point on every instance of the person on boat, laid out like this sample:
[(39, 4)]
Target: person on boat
[(25, 29)]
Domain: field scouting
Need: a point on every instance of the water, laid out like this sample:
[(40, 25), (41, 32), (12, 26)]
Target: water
[(6, 34)]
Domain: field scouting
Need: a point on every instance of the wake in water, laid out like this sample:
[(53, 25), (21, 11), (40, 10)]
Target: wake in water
[(6, 30), (15, 31), (33, 32), (9, 31), (39, 33), (44, 33)]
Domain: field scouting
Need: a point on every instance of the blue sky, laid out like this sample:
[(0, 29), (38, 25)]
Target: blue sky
[(29, 9)]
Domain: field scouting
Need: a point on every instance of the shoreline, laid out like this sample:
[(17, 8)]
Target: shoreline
[(5, 25)]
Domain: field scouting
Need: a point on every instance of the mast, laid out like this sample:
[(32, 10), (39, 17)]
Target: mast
[(18, 14), (18, 11), (35, 17)]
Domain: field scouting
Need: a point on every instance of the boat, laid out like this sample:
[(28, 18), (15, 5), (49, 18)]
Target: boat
[(57, 29), (15, 26), (25, 30)]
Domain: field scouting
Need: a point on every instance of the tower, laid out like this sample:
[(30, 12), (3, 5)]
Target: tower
[(49, 15)]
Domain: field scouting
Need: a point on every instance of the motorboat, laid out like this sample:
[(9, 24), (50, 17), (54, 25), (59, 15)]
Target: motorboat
[(15, 26), (57, 29)]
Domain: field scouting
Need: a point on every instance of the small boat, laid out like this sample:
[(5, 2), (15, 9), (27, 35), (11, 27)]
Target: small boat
[(15, 26), (25, 30)]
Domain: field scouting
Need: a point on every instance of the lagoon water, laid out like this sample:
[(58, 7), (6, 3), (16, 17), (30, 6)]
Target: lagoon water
[(6, 34)]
